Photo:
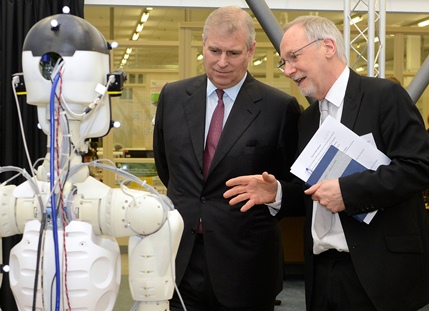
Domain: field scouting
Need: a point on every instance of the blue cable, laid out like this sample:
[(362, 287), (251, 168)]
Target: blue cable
[(53, 199)]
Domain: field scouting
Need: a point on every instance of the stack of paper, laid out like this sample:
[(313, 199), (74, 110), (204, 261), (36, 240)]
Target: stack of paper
[(336, 151)]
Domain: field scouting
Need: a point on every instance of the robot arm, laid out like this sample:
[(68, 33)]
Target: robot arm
[(154, 228), (118, 212)]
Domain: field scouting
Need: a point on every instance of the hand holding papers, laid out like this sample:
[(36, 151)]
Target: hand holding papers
[(348, 149)]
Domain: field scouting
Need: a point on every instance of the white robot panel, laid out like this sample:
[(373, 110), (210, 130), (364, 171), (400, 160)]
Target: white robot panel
[(91, 274)]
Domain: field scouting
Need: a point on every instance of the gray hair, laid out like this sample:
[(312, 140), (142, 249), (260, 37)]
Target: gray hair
[(230, 19), (319, 27)]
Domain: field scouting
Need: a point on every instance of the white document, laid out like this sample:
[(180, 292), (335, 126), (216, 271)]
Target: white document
[(331, 132)]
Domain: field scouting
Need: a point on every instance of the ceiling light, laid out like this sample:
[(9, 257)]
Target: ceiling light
[(124, 61), (135, 36), (126, 56), (423, 23), (356, 20), (145, 17), (359, 69), (139, 27), (200, 56), (257, 62), (129, 50)]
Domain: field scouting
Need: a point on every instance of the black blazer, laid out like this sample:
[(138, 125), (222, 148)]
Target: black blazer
[(391, 254), (243, 250)]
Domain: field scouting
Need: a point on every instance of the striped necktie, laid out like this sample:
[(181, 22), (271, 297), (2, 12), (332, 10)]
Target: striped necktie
[(215, 130)]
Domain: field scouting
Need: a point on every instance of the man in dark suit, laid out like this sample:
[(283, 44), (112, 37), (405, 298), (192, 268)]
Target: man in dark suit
[(383, 265), (227, 260)]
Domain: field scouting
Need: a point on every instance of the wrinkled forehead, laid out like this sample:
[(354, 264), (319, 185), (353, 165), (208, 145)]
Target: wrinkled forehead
[(293, 39)]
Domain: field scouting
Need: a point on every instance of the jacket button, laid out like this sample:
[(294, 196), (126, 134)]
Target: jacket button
[(203, 200)]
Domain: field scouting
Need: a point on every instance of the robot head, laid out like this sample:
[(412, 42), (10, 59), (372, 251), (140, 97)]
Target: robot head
[(82, 52)]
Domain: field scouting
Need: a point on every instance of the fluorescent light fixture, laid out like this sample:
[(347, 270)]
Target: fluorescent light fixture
[(135, 36), (129, 50), (356, 20), (200, 56), (126, 56), (257, 62), (359, 69), (423, 23), (139, 27), (145, 17), (123, 62)]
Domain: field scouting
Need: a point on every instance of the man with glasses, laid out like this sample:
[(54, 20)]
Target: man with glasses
[(227, 260), (293, 57), (383, 265)]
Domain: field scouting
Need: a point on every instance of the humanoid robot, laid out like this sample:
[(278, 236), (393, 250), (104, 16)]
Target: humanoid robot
[(68, 258)]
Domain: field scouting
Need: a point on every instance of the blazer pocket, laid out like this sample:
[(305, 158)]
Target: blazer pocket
[(263, 236), (261, 150), (404, 244)]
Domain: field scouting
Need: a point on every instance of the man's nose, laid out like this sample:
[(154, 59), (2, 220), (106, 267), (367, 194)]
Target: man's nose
[(289, 69), (223, 60)]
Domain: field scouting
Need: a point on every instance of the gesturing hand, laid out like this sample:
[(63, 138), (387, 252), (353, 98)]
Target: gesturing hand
[(256, 189)]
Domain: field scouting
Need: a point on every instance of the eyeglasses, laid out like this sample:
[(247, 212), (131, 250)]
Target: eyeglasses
[(293, 57)]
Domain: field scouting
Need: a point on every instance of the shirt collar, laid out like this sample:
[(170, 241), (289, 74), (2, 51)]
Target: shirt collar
[(232, 92), (338, 90)]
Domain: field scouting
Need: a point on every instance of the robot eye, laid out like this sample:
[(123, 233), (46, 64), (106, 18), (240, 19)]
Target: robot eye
[(47, 64)]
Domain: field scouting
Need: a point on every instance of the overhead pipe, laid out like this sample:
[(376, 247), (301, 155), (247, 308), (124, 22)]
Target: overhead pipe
[(420, 81), (268, 21)]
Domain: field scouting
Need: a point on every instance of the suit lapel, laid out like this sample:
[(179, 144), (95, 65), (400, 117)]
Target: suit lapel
[(243, 112), (308, 124), (352, 100), (195, 112)]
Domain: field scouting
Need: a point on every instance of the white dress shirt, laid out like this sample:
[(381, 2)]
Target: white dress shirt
[(335, 238), (228, 100)]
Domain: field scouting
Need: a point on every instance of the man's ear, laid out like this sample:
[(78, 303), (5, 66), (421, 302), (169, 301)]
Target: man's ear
[(330, 47), (252, 49)]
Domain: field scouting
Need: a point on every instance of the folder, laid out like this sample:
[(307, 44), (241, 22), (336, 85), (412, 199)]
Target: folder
[(335, 164)]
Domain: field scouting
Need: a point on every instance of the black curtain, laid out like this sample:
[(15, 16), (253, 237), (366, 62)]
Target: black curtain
[(16, 19)]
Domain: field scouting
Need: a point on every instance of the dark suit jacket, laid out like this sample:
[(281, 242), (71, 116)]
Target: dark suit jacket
[(243, 250), (391, 254)]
